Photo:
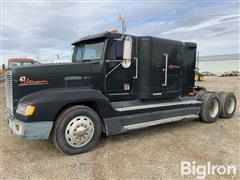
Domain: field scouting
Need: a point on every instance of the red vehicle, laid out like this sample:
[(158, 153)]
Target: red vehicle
[(14, 62)]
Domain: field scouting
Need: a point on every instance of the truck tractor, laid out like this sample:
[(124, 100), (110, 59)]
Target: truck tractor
[(115, 83), (15, 62)]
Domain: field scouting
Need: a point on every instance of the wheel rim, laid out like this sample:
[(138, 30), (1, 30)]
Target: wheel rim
[(214, 108), (79, 131), (230, 105)]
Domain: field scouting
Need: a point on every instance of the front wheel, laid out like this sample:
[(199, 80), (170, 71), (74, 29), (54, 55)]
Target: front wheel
[(77, 130)]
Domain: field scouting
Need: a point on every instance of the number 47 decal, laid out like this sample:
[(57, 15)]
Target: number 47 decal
[(25, 81), (22, 79)]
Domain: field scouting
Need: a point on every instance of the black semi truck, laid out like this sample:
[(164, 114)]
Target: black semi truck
[(115, 83)]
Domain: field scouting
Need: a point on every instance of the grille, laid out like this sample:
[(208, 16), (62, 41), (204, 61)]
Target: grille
[(9, 91)]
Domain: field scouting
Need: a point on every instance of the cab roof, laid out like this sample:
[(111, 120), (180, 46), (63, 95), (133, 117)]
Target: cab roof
[(99, 35), (119, 35)]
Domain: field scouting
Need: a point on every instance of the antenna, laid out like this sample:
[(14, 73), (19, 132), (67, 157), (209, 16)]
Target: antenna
[(136, 16), (122, 21)]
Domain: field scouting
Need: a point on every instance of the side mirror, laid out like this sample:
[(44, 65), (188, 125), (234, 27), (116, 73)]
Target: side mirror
[(127, 52), (3, 67)]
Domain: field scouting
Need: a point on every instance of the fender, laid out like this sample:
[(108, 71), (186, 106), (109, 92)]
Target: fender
[(49, 102)]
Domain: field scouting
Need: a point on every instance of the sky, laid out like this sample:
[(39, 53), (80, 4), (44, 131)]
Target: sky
[(43, 29)]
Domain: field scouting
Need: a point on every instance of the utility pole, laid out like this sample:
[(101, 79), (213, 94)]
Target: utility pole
[(197, 59), (37, 58)]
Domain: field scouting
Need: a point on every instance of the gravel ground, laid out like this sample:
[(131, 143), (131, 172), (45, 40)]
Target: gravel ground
[(152, 153)]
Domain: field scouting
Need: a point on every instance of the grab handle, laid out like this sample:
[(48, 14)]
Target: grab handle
[(166, 69)]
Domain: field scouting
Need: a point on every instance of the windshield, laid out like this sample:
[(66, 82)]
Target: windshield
[(88, 52)]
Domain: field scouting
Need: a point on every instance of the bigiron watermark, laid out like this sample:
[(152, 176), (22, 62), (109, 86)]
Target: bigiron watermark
[(201, 171)]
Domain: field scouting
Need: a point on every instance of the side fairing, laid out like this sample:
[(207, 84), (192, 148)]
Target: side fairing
[(188, 68)]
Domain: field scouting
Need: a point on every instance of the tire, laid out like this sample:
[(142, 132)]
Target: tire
[(200, 94), (77, 130), (228, 104), (210, 109)]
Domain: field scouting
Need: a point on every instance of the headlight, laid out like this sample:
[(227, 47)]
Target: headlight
[(25, 109)]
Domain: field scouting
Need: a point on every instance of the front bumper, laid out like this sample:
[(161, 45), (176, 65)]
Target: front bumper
[(30, 130)]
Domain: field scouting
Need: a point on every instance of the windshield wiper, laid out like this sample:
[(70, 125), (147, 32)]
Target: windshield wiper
[(91, 60), (86, 60)]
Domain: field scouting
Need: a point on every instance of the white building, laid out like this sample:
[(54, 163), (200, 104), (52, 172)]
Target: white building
[(219, 63)]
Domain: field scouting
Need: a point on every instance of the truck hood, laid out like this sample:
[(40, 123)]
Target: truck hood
[(29, 79), (50, 74)]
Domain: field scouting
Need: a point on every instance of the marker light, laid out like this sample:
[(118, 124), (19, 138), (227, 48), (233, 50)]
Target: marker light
[(191, 93), (113, 30)]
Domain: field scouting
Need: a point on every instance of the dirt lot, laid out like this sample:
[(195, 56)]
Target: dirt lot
[(152, 153)]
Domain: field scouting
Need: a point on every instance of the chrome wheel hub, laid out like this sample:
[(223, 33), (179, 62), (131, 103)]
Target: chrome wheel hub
[(214, 108), (230, 105), (79, 131)]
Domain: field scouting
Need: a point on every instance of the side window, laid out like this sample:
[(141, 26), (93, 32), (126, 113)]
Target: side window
[(115, 50), (119, 50), (111, 50)]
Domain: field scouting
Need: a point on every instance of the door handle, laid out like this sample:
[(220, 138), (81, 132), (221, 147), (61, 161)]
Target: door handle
[(166, 69), (136, 68)]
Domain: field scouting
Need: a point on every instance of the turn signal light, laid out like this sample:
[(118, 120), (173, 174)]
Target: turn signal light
[(30, 110)]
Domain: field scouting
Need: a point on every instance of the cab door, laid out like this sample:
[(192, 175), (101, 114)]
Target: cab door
[(118, 80)]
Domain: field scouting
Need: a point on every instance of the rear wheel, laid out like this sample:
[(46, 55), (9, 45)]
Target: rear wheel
[(228, 104), (77, 130), (210, 109), (200, 94)]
